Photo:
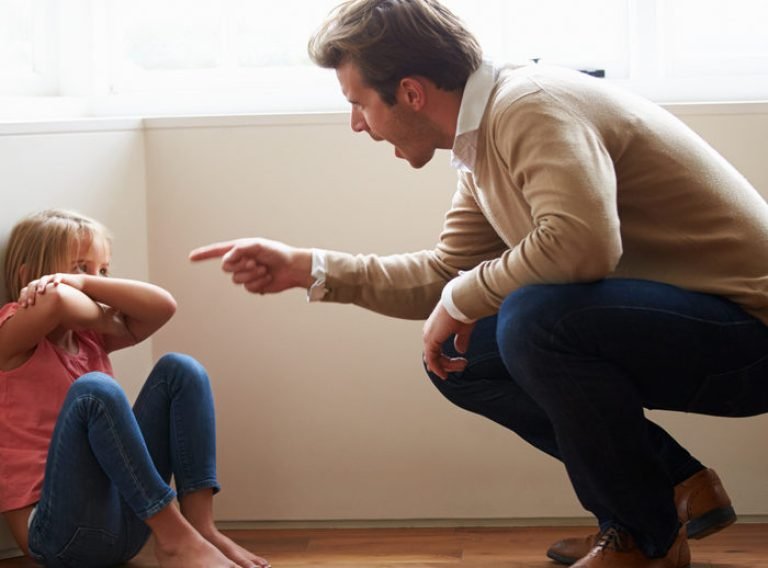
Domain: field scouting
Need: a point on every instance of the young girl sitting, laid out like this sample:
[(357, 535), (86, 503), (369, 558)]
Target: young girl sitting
[(84, 479)]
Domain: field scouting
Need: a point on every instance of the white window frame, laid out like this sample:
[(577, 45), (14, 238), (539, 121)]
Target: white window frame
[(76, 73)]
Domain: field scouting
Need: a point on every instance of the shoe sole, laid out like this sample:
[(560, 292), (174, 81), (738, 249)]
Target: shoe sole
[(710, 523), (698, 528), (561, 559)]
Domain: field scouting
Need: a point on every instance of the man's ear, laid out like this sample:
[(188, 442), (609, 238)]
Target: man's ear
[(412, 93)]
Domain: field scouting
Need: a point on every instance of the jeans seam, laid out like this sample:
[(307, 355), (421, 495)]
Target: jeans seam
[(125, 458), (741, 369), (561, 321)]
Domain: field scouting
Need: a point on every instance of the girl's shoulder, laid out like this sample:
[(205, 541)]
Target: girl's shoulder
[(8, 359)]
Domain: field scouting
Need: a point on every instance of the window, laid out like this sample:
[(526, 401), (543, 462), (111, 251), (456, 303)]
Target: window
[(716, 47), (583, 34), (160, 45), (181, 56), (143, 57), (714, 37), (25, 59)]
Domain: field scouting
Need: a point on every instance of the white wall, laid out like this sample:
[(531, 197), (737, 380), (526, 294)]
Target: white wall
[(323, 410), (98, 170)]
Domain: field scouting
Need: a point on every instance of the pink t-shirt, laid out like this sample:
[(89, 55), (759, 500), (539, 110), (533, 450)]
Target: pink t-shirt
[(30, 399)]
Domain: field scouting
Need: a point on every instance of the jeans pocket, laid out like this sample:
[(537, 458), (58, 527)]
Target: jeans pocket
[(743, 392), (90, 547)]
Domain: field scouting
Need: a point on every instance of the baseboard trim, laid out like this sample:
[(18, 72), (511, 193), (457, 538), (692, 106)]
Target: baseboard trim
[(10, 553), (433, 523)]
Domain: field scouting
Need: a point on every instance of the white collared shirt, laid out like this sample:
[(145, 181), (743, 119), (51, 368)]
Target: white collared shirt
[(477, 91)]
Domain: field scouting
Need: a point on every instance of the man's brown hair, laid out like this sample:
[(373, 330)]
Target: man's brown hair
[(391, 39)]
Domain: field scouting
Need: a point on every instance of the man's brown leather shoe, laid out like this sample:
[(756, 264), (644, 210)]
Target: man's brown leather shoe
[(617, 549), (703, 507)]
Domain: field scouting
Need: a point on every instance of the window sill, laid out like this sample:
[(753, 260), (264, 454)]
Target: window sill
[(73, 124)]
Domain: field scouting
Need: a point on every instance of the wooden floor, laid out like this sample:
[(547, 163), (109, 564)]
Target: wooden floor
[(740, 546)]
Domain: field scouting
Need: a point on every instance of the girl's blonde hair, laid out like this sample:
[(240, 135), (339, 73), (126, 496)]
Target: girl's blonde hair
[(41, 244)]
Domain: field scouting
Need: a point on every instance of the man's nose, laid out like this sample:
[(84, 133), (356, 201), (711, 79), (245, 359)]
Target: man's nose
[(358, 122)]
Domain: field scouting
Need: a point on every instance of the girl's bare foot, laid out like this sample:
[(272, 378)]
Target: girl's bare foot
[(195, 552), (179, 545), (236, 553), (197, 508)]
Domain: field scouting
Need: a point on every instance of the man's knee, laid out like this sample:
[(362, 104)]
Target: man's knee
[(446, 387), (530, 325), (462, 389), (524, 314)]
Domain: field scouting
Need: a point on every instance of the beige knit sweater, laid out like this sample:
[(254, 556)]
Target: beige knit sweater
[(576, 180)]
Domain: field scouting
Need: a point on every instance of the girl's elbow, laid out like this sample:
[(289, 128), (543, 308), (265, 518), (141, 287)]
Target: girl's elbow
[(171, 304), (168, 307)]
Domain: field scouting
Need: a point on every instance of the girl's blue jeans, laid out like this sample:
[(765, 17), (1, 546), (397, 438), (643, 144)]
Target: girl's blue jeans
[(109, 466), (571, 367)]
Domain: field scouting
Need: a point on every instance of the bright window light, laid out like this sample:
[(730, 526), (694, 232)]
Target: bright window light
[(209, 43), (25, 63), (714, 37), (171, 57), (583, 34)]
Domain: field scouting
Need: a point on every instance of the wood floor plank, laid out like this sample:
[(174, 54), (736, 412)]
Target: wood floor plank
[(740, 546)]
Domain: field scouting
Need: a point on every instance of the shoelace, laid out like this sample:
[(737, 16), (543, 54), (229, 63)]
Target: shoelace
[(611, 538)]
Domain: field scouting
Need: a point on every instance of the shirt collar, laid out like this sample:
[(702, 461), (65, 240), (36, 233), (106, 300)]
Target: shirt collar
[(477, 91)]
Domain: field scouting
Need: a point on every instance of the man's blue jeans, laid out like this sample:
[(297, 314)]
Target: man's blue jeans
[(109, 466), (571, 367)]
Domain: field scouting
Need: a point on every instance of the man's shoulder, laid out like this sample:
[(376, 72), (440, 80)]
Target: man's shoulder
[(520, 94), (514, 82), (537, 90)]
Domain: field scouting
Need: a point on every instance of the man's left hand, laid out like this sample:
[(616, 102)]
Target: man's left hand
[(438, 328)]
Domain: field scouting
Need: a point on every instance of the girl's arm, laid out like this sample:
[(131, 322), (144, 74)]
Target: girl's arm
[(123, 311), (141, 307), (59, 306), (17, 522)]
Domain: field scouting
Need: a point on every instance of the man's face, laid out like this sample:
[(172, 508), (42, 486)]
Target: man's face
[(409, 131)]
